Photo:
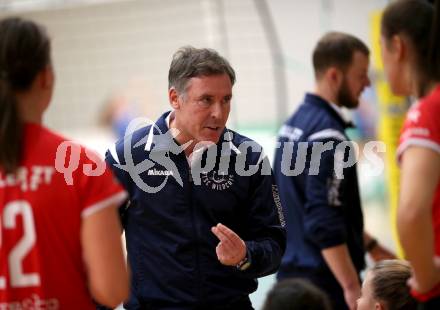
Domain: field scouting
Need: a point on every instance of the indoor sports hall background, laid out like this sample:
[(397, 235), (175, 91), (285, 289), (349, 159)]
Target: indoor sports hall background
[(112, 58)]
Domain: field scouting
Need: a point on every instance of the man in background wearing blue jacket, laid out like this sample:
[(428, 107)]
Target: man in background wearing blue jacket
[(204, 219), (326, 241)]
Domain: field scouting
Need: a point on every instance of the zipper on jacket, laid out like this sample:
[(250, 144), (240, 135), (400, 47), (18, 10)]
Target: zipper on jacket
[(194, 227)]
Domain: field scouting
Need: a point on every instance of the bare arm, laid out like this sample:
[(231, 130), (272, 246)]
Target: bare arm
[(341, 265), (103, 256), (419, 179)]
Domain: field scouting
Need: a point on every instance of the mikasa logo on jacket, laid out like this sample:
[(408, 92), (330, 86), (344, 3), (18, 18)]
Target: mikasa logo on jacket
[(159, 172)]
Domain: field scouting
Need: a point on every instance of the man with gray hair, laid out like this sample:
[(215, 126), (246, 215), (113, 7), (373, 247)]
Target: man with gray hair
[(203, 220)]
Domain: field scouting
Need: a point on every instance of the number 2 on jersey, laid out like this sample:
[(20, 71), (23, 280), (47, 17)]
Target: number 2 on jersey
[(17, 277)]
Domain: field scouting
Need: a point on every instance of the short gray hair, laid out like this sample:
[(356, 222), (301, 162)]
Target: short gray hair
[(189, 62)]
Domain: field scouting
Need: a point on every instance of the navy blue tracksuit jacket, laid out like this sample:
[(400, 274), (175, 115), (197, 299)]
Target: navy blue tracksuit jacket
[(168, 220), (321, 209)]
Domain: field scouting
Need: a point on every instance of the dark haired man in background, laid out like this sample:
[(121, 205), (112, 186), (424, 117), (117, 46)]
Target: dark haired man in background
[(326, 241)]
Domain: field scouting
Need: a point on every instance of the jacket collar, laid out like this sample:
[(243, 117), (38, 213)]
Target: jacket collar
[(322, 103)]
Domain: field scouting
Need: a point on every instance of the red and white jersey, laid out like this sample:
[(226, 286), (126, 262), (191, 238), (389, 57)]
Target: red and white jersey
[(41, 210), (422, 124)]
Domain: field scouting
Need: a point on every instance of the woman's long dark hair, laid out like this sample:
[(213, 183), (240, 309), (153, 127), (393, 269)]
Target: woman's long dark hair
[(419, 21), (24, 52)]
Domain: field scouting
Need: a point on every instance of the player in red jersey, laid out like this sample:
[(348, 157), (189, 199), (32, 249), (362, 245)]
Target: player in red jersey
[(411, 55), (60, 244)]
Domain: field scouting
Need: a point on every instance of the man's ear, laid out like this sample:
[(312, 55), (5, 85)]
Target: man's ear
[(173, 97), (378, 306), (334, 76)]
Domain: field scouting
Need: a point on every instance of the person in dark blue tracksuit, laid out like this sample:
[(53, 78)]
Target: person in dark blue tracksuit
[(326, 241), (204, 219)]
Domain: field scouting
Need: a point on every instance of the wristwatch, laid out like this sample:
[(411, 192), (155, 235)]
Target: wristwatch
[(244, 264)]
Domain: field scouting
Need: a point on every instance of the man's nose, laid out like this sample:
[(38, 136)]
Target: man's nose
[(216, 110)]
